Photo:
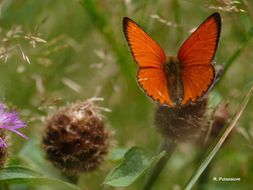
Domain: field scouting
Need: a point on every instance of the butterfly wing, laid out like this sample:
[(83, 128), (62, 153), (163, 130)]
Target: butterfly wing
[(150, 58), (195, 56)]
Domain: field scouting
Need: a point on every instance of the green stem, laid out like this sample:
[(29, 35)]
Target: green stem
[(72, 179), (168, 146)]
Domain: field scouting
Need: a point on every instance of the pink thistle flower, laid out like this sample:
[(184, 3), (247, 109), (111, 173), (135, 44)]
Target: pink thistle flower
[(10, 121)]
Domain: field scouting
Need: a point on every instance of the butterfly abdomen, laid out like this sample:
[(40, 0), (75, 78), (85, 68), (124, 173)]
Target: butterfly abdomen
[(173, 71)]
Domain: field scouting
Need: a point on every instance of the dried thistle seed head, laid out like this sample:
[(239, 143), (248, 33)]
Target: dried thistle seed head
[(3, 149), (220, 117), (75, 138), (182, 124)]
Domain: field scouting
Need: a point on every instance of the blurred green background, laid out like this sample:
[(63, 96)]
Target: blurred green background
[(86, 55)]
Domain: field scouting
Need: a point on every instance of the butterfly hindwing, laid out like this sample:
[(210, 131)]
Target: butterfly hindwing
[(154, 83), (195, 56), (150, 58), (196, 81)]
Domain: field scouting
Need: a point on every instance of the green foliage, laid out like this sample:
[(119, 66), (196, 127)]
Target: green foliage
[(19, 174), (135, 164), (56, 52)]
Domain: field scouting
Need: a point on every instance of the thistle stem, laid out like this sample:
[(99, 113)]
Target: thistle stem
[(168, 146), (72, 179)]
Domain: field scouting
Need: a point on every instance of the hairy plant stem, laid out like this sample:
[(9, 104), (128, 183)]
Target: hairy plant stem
[(168, 146)]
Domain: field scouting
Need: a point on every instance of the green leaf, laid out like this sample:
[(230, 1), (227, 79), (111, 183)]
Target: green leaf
[(19, 174), (219, 142), (117, 154), (136, 162)]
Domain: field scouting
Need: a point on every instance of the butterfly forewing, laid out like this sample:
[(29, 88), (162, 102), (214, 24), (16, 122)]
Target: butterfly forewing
[(195, 56), (150, 58), (146, 52)]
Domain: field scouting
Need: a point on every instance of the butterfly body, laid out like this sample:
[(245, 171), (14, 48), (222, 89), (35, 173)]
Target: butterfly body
[(175, 81), (173, 72)]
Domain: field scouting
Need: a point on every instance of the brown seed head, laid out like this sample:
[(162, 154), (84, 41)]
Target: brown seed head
[(75, 138), (182, 124)]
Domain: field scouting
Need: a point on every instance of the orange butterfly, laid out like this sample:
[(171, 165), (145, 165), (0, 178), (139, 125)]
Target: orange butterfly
[(175, 81)]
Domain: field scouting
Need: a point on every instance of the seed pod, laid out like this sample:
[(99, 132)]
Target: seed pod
[(75, 138)]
